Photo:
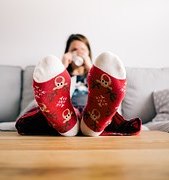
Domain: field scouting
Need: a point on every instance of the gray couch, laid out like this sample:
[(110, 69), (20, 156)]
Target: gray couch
[(142, 85)]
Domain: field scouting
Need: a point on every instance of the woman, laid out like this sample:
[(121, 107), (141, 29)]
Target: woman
[(77, 51), (91, 110)]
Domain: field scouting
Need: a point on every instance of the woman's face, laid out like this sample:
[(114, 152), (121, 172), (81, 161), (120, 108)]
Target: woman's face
[(80, 48)]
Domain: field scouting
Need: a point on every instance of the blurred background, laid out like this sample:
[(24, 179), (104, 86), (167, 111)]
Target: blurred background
[(136, 30)]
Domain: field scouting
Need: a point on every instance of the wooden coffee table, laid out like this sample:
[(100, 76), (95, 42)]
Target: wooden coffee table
[(145, 156)]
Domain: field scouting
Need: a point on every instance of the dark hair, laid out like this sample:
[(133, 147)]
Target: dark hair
[(78, 37)]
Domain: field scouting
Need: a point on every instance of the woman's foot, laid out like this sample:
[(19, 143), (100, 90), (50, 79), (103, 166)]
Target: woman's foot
[(51, 83), (107, 85)]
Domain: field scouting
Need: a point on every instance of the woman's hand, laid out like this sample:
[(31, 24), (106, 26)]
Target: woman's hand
[(67, 59), (87, 62)]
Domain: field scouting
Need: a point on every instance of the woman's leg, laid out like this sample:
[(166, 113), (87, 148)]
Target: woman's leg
[(33, 122), (51, 83), (122, 127)]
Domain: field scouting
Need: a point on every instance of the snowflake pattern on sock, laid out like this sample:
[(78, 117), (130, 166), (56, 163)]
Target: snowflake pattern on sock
[(105, 95)]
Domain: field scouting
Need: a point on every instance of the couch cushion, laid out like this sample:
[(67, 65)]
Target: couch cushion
[(27, 92), (10, 92), (141, 83)]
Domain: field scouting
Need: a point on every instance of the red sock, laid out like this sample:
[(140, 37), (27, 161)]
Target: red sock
[(53, 98), (105, 96)]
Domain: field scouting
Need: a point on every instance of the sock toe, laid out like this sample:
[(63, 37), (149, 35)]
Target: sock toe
[(48, 67), (111, 64)]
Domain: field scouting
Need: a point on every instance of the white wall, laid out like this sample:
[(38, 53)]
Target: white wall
[(136, 30)]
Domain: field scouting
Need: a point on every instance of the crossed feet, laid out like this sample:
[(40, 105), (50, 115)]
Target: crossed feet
[(106, 89)]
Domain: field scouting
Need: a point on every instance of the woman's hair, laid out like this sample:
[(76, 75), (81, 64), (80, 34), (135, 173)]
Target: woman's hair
[(78, 37)]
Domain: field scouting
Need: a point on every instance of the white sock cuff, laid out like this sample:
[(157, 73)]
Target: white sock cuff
[(73, 131), (87, 131), (111, 64), (48, 68)]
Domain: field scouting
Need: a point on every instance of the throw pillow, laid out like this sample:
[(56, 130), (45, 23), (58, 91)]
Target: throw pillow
[(161, 103), (161, 120)]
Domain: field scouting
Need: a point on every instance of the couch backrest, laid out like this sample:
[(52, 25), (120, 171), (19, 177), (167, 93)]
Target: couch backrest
[(10, 92), (27, 89), (16, 94), (141, 83)]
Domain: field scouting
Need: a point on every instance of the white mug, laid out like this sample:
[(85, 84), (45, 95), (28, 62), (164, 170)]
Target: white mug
[(78, 60)]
